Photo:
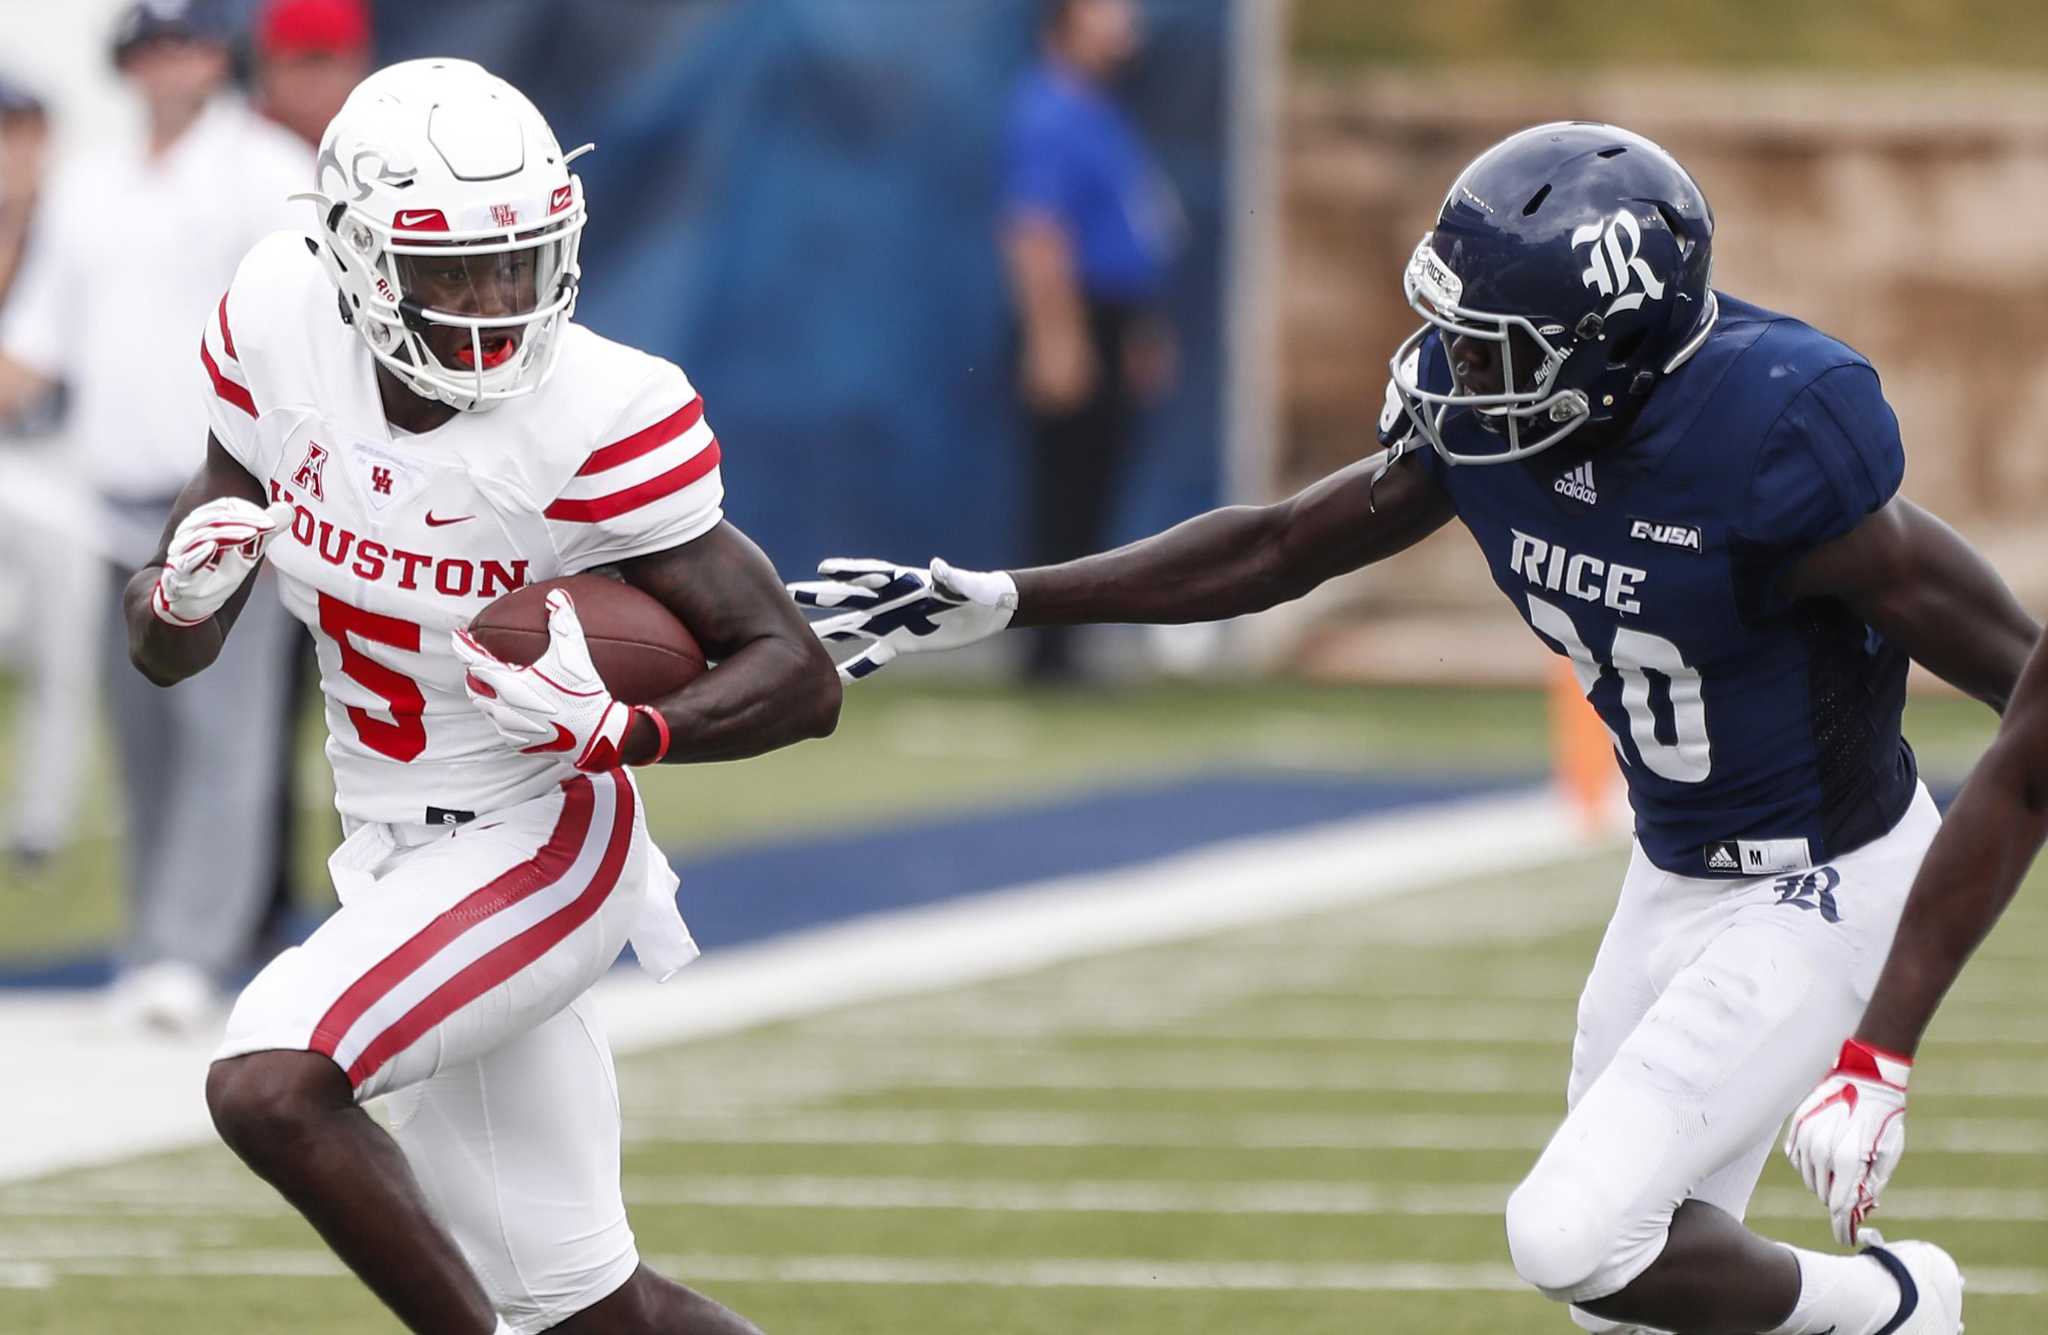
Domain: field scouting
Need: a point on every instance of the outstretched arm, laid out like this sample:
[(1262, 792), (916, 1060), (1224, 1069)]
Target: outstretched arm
[(1225, 563), (1243, 558)]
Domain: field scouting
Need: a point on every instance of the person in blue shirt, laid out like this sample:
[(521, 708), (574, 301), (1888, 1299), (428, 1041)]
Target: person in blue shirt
[(1695, 500), (1089, 226)]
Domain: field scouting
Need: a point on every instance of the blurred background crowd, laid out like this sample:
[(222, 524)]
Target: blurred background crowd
[(1012, 335), (1004, 280)]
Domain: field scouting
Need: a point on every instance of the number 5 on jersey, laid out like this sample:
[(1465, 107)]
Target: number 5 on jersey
[(1688, 758), (405, 735)]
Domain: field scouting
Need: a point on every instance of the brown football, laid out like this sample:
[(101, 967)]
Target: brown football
[(640, 649)]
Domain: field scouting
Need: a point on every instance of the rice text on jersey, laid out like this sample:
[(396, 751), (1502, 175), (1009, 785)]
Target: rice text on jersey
[(1548, 565)]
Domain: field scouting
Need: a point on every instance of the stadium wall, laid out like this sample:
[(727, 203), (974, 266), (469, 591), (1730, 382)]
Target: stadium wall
[(1900, 216)]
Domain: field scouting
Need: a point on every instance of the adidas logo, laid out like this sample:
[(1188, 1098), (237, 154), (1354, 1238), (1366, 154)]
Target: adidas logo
[(1578, 484), (1721, 857)]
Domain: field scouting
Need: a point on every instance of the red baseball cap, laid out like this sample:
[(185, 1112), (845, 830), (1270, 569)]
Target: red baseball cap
[(301, 27)]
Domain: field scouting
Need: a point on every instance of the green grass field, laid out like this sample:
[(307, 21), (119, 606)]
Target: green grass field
[(927, 747), (1305, 1127)]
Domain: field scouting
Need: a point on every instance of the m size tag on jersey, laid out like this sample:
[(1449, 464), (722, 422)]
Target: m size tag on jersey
[(1757, 857)]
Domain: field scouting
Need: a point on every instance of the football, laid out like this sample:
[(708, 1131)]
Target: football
[(640, 649)]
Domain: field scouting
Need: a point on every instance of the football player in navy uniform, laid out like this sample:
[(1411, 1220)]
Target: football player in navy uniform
[(1695, 500)]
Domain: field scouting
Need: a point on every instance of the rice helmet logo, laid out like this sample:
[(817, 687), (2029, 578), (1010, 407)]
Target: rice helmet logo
[(1615, 259)]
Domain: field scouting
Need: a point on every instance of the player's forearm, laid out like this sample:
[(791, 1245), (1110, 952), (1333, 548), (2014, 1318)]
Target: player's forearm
[(770, 694), (1041, 263), (1987, 842), (19, 386), (1218, 565), (1243, 558), (162, 652)]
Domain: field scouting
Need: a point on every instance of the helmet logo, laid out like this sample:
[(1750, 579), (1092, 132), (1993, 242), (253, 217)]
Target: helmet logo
[(1615, 259), (504, 215), (366, 169)]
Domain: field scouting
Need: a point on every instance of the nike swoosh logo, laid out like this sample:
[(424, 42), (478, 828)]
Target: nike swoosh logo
[(435, 521), (564, 741), (409, 219)]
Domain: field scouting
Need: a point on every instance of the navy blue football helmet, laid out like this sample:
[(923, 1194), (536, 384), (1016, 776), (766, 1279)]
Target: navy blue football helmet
[(1568, 272)]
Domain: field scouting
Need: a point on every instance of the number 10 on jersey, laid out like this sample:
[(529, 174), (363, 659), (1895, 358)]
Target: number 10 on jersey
[(1688, 758)]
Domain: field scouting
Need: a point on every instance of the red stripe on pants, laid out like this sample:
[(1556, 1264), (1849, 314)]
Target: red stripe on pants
[(507, 959), (543, 869)]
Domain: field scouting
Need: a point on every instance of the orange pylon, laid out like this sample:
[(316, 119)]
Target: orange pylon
[(1581, 752)]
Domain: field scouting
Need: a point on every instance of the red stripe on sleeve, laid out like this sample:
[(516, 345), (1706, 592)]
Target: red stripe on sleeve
[(640, 442), (227, 339), (500, 963), (537, 873), (223, 386), (599, 508)]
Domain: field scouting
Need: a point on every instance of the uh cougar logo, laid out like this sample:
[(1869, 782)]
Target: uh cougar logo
[(1615, 259)]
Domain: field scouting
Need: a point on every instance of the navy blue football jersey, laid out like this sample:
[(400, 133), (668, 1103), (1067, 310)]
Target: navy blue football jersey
[(1756, 735)]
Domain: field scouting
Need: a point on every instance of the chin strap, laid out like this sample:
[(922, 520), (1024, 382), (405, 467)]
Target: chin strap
[(1388, 458)]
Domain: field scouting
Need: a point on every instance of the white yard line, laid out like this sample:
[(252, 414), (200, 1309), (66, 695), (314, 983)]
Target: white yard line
[(1119, 1196), (1063, 1273), (1034, 1128), (100, 1095)]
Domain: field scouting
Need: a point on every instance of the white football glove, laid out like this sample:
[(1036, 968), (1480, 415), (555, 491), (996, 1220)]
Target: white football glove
[(558, 703), (901, 609), (216, 547), (1847, 1137)]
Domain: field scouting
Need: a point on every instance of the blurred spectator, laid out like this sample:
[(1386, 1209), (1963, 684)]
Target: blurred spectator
[(1089, 229), (56, 587), (132, 250), (24, 138), (310, 54)]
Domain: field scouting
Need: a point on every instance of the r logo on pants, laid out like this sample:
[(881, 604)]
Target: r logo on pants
[(1814, 890)]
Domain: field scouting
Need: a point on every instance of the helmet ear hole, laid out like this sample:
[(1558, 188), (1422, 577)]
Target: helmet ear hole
[(1676, 228), (1625, 348)]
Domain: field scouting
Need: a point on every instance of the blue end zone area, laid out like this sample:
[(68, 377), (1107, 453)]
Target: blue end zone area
[(746, 894), (755, 891)]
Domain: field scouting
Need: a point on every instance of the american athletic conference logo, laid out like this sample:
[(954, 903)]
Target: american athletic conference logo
[(1615, 258)]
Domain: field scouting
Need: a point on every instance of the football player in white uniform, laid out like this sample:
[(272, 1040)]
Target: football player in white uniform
[(497, 860)]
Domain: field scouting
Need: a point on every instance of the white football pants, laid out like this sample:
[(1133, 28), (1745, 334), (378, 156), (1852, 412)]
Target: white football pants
[(452, 979), (1713, 1007)]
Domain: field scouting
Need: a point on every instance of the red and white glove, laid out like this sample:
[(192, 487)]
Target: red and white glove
[(211, 553), (558, 704), (1847, 1137)]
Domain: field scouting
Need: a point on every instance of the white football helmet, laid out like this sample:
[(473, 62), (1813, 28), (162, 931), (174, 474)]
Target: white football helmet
[(449, 220)]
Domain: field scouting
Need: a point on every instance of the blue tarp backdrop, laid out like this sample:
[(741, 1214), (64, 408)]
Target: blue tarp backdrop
[(794, 199)]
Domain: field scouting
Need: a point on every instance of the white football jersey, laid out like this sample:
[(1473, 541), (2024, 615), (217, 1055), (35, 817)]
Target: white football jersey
[(398, 539)]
